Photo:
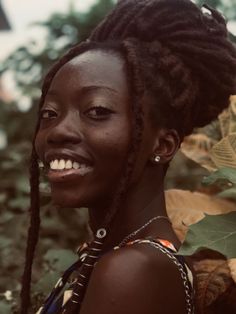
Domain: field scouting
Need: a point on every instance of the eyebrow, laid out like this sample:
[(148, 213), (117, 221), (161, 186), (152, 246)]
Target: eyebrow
[(85, 90)]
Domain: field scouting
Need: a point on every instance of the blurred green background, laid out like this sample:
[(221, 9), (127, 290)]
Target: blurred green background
[(61, 231)]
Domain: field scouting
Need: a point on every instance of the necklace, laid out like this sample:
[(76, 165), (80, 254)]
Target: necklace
[(134, 233)]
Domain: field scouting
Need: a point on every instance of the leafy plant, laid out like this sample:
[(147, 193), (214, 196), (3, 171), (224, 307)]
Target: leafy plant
[(214, 147), (206, 222), (216, 232)]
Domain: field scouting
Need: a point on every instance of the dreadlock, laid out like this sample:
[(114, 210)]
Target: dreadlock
[(179, 57), (33, 232)]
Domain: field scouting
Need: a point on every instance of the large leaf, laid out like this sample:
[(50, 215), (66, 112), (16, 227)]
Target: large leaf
[(214, 146), (229, 193), (185, 208), (223, 153), (215, 232), (224, 178), (228, 174), (213, 280), (197, 147)]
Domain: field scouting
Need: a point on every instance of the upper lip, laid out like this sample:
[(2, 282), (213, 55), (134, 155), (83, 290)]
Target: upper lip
[(66, 154)]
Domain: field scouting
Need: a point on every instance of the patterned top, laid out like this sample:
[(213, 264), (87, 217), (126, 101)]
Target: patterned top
[(62, 292)]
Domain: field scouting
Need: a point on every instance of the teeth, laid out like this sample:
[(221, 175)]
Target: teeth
[(76, 165), (62, 164), (54, 164), (68, 164)]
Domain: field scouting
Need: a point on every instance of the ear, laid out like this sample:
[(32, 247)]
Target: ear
[(166, 144)]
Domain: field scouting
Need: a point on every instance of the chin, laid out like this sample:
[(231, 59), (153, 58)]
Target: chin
[(64, 203), (66, 199), (69, 199)]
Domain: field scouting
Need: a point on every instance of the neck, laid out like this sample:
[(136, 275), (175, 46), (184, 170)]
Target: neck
[(142, 203)]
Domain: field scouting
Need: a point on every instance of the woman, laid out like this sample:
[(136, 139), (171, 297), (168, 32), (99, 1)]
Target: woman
[(113, 113)]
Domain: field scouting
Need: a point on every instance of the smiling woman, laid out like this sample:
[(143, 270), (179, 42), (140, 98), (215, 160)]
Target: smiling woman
[(113, 113), (85, 126)]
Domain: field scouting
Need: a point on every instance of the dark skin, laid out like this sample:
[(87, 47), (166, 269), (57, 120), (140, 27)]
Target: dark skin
[(94, 123)]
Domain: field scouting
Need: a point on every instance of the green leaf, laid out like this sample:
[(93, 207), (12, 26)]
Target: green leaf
[(230, 193), (215, 232), (228, 174)]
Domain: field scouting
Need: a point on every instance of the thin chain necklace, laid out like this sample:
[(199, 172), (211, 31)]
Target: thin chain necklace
[(134, 233)]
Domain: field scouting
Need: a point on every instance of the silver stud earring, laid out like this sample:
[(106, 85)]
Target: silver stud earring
[(157, 158)]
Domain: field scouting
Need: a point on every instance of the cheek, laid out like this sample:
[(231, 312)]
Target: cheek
[(111, 146)]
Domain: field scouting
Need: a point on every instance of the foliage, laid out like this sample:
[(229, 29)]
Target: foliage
[(214, 283), (216, 232), (214, 275), (226, 179), (185, 208), (214, 147)]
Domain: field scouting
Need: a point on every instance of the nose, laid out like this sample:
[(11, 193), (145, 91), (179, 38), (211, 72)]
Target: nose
[(66, 131)]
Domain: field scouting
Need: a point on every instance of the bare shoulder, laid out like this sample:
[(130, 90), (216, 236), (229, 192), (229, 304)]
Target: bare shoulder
[(135, 279)]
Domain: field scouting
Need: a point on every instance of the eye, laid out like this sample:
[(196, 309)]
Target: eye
[(47, 114), (98, 112)]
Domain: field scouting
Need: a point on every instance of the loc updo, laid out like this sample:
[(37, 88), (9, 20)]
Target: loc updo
[(187, 63)]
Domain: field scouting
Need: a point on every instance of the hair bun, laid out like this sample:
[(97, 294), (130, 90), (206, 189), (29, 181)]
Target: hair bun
[(197, 62)]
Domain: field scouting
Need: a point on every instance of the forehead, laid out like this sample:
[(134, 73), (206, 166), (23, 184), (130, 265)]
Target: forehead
[(93, 68)]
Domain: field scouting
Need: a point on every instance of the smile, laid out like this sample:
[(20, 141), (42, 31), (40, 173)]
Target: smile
[(61, 170), (63, 164)]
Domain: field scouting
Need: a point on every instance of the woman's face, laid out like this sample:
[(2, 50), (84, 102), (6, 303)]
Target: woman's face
[(84, 133)]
